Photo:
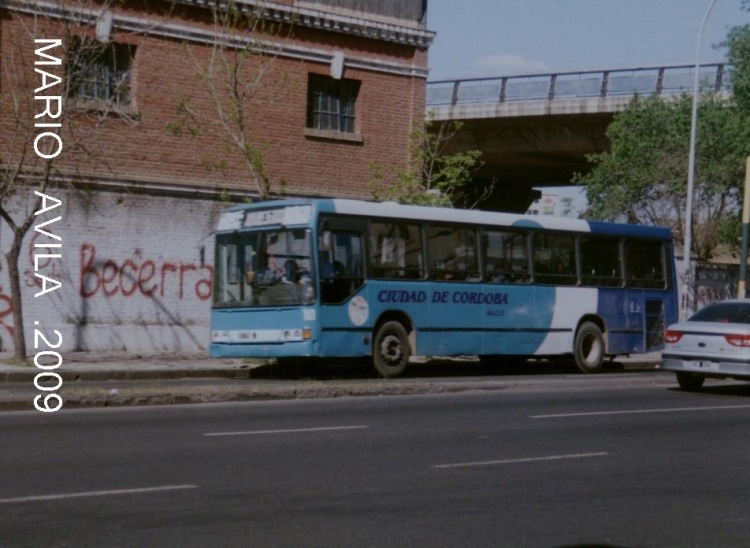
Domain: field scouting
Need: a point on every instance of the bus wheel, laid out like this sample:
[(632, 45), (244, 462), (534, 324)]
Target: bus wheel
[(390, 350), (588, 348)]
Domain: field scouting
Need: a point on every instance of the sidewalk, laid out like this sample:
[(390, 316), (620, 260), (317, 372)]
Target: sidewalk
[(122, 379), (103, 366)]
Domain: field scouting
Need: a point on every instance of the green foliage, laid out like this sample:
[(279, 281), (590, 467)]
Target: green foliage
[(434, 177), (231, 79), (739, 55), (643, 177), (738, 44)]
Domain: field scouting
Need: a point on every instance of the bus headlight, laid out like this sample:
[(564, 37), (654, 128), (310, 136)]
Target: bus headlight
[(220, 336), (297, 334)]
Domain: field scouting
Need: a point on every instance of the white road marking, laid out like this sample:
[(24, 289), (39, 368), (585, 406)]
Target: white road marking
[(641, 411), (521, 460), (289, 431), (113, 492)]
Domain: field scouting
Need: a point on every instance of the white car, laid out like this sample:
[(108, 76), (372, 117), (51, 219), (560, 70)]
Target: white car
[(714, 342)]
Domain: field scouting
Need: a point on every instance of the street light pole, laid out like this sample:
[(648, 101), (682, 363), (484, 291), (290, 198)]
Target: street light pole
[(691, 171)]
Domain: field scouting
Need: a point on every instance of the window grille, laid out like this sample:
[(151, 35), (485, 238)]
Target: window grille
[(332, 104)]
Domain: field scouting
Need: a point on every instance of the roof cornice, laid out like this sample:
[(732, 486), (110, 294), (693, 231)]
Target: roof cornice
[(179, 31), (333, 22)]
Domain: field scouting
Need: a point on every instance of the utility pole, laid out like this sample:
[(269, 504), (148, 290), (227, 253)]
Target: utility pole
[(691, 174), (745, 232)]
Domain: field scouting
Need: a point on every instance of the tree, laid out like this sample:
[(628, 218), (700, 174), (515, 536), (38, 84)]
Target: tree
[(642, 178), (46, 81), (232, 78), (433, 177), (738, 45)]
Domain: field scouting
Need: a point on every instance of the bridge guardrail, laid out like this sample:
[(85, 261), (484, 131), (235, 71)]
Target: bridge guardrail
[(665, 80)]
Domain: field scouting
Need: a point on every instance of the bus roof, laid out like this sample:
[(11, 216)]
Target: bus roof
[(479, 217)]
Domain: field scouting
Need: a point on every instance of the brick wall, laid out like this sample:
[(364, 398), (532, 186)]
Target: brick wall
[(143, 148)]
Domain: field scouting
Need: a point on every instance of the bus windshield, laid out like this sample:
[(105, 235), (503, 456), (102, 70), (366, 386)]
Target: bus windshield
[(264, 268)]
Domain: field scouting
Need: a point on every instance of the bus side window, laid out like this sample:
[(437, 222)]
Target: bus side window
[(601, 263), (644, 264), (340, 263), (506, 257), (555, 259), (452, 253), (396, 250)]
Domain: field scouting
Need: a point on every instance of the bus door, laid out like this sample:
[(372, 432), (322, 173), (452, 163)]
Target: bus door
[(344, 312), (646, 274)]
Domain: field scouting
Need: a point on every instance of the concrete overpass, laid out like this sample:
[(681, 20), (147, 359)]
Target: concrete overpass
[(535, 130)]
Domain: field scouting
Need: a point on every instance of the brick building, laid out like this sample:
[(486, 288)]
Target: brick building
[(142, 168)]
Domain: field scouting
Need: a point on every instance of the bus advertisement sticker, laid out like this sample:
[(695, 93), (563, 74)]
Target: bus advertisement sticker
[(359, 310)]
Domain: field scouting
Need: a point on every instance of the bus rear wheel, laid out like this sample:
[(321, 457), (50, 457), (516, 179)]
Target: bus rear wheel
[(588, 348), (390, 350)]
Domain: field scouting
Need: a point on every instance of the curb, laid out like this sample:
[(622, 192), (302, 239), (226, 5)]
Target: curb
[(147, 396), (128, 375), (27, 374), (193, 395)]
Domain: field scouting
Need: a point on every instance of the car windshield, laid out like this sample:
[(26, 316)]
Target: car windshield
[(723, 313)]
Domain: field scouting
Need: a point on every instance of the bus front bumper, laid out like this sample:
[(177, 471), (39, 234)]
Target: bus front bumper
[(251, 350)]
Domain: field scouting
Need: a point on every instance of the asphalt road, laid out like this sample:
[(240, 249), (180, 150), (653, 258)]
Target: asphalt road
[(609, 465)]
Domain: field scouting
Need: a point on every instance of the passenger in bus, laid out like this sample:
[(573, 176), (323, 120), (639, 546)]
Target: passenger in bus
[(505, 272), (560, 268), (499, 273), (291, 271), (326, 267)]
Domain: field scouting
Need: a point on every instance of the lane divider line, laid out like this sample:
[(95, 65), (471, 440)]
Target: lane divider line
[(286, 431), (640, 411), (520, 460), (108, 493)]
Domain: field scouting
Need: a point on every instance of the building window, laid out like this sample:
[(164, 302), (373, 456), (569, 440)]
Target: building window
[(100, 74), (332, 104)]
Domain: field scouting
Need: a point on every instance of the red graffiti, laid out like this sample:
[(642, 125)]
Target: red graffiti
[(144, 277)]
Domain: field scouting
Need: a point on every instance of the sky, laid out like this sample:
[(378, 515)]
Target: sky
[(508, 37)]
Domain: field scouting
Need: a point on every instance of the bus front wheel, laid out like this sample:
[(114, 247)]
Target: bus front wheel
[(390, 350), (589, 348)]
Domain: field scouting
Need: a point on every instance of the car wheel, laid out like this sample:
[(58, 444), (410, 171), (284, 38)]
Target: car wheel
[(390, 350), (690, 381), (588, 348)]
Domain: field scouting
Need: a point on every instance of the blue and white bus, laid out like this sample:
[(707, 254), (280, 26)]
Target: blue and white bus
[(345, 278)]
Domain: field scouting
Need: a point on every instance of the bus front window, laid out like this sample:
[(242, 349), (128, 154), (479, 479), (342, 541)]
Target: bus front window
[(264, 268)]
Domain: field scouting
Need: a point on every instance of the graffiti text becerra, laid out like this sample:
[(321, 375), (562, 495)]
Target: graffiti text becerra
[(148, 278)]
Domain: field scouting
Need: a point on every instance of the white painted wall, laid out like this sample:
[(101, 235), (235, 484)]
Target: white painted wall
[(136, 273)]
